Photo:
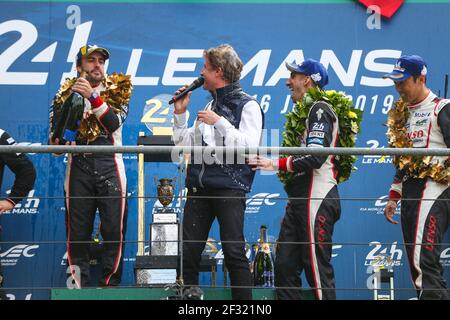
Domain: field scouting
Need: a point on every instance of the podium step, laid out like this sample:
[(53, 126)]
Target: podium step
[(147, 294), (156, 294)]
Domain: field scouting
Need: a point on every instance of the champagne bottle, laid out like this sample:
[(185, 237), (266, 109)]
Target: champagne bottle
[(251, 260), (71, 114), (263, 269)]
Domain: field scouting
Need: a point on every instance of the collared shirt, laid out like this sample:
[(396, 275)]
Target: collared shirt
[(248, 134)]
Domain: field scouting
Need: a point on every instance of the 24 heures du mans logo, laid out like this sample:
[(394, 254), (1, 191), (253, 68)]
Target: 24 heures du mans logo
[(384, 255), (29, 205), (370, 159)]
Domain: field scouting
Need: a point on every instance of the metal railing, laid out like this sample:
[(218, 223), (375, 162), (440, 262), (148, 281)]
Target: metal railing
[(221, 150), (238, 150)]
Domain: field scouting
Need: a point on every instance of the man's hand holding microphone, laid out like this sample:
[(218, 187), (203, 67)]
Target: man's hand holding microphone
[(182, 98)]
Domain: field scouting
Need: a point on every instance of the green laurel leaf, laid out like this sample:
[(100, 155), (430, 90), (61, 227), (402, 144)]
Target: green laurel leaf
[(349, 126)]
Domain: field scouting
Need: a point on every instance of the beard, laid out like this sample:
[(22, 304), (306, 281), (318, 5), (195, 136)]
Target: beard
[(94, 76), (297, 96)]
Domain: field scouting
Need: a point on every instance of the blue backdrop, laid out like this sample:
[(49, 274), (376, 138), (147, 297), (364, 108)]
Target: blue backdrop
[(161, 46)]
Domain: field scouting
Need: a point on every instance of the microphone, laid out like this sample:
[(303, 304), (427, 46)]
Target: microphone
[(194, 85)]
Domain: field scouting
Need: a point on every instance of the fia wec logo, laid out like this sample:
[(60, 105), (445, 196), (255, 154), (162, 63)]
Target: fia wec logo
[(255, 202), (19, 250), (10, 257), (445, 257), (379, 205), (260, 198)]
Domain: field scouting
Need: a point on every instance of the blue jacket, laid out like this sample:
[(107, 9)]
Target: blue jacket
[(228, 102)]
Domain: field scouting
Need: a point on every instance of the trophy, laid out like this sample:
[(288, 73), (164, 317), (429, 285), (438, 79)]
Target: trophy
[(164, 229), (165, 197), (165, 193), (157, 266)]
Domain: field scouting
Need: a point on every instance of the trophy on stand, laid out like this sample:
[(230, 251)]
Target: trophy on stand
[(164, 229), (383, 269), (159, 266)]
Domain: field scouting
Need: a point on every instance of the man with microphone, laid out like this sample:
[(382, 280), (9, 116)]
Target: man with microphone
[(217, 188)]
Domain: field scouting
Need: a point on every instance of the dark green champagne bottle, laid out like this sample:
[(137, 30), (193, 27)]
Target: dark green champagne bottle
[(263, 270), (71, 114)]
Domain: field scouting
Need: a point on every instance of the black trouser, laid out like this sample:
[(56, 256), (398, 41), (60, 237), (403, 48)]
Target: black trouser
[(88, 177), (293, 259), (199, 215), (425, 221)]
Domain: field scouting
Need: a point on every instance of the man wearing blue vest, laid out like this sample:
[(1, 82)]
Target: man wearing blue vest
[(217, 187)]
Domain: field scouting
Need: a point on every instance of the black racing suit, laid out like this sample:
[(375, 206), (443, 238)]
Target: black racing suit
[(424, 203), (310, 219), (96, 181), (25, 175)]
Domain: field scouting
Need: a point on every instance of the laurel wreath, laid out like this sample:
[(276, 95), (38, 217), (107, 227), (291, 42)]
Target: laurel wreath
[(117, 94), (414, 166), (349, 126)]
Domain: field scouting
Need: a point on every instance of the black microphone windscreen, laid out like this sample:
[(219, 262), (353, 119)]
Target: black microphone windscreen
[(194, 85)]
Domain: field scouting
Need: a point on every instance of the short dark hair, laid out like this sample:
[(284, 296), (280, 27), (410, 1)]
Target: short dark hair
[(417, 77)]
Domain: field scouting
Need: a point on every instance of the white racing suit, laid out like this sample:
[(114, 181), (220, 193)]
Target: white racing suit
[(424, 203)]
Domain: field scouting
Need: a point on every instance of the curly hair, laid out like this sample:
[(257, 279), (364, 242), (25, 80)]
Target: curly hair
[(226, 58)]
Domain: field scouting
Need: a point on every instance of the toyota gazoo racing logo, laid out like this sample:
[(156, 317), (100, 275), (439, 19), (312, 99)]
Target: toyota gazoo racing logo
[(29, 205), (379, 205), (370, 159), (384, 255), (255, 202), (11, 256), (445, 257)]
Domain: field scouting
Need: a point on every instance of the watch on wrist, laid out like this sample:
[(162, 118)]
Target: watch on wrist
[(93, 96)]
